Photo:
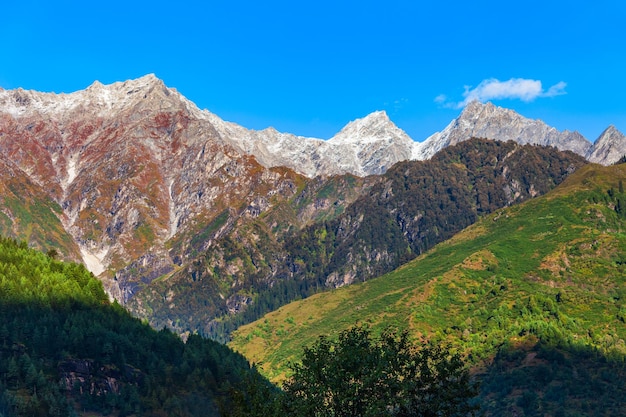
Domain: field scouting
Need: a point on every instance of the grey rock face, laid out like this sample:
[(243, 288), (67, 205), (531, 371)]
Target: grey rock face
[(363, 147), (491, 122), (608, 148)]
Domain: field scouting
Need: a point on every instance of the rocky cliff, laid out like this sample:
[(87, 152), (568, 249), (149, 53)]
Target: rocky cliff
[(132, 165), (608, 148)]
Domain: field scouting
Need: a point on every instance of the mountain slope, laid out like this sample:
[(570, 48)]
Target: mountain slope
[(544, 275), (246, 271), (415, 205), (155, 191), (363, 147), (27, 213), (364, 228), (133, 165)]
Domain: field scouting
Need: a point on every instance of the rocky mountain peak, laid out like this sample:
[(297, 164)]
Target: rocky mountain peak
[(611, 132), (374, 126), (492, 122), (131, 163), (474, 108), (99, 99), (147, 91), (146, 82), (609, 147)]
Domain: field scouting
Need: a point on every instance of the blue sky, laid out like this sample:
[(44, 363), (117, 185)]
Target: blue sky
[(310, 67)]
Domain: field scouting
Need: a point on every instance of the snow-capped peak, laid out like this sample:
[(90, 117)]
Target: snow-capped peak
[(369, 145), (374, 127), (105, 98)]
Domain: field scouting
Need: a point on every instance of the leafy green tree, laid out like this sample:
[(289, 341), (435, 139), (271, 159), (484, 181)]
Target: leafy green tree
[(359, 375)]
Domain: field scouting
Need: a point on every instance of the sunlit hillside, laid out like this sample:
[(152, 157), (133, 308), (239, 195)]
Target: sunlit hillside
[(528, 283)]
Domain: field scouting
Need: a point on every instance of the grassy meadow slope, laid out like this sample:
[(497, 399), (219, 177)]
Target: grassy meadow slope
[(544, 278)]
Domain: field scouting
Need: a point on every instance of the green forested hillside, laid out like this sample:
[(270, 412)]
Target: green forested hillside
[(534, 296), (65, 350)]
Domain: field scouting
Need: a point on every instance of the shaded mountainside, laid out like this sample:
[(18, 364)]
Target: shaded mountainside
[(533, 295), (267, 262), (65, 350)]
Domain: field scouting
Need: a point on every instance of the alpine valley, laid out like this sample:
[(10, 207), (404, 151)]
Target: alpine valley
[(199, 224), (202, 226)]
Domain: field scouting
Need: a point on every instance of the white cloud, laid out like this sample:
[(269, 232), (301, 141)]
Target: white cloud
[(493, 89), (557, 89), (441, 98)]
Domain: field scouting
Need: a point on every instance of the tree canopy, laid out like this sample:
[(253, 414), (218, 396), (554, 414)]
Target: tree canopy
[(65, 350), (359, 375)]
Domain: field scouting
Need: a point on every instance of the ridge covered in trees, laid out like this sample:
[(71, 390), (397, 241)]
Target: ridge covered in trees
[(66, 350)]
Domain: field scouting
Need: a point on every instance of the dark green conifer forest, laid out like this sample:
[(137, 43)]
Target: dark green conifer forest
[(66, 350)]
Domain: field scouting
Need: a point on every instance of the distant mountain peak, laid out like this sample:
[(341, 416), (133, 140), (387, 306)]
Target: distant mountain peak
[(122, 91), (368, 145), (486, 120), (611, 130), (476, 109), (374, 127), (377, 115), (475, 106), (609, 147), (147, 80), (95, 85)]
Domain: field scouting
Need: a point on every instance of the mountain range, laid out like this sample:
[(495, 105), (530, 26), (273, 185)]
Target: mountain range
[(140, 185), (363, 147), (499, 236)]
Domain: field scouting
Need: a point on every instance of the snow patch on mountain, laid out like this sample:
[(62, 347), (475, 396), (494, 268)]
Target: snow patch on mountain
[(173, 224), (72, 172), (94, 261)]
